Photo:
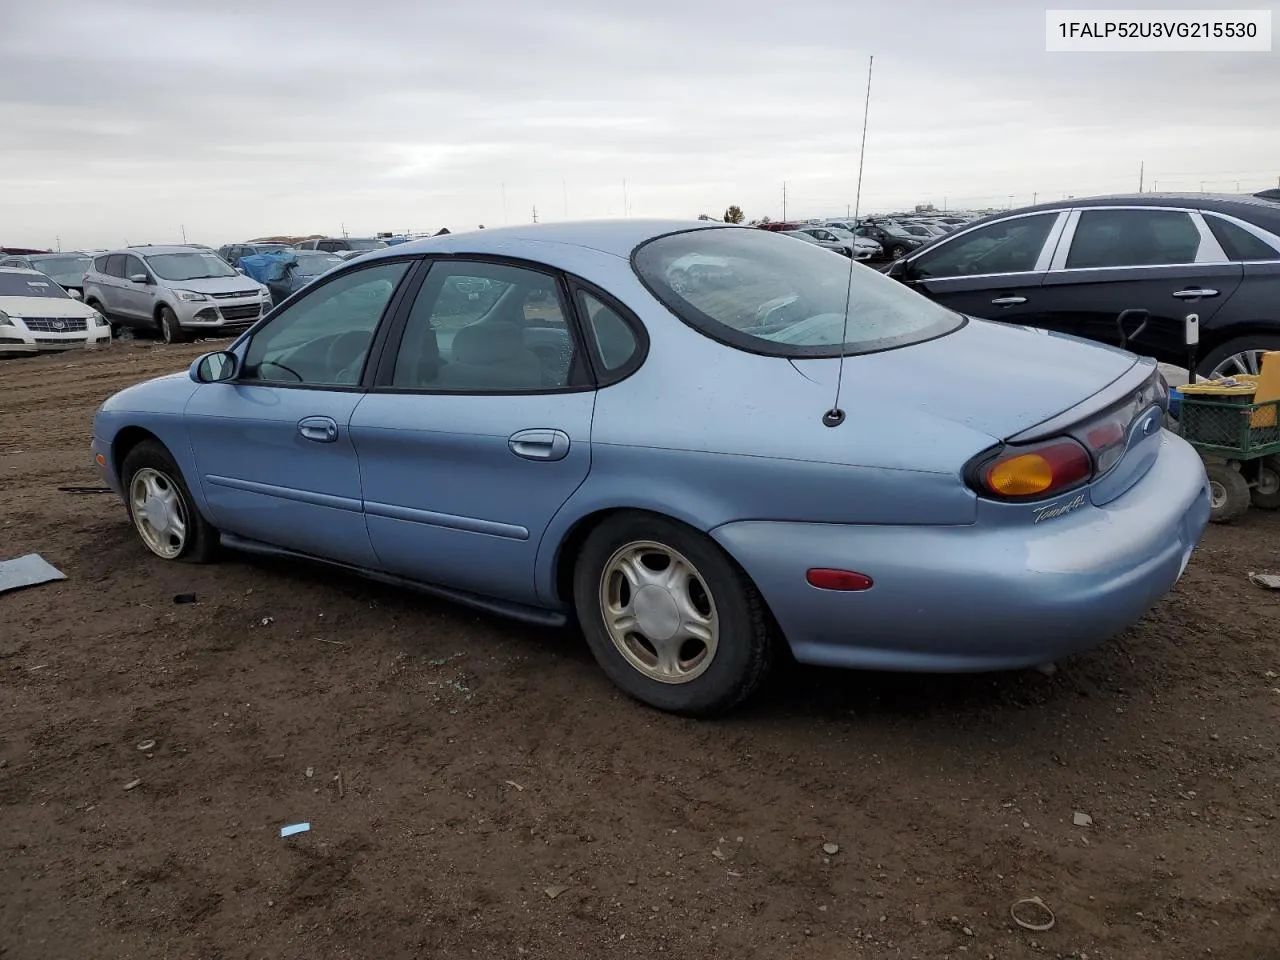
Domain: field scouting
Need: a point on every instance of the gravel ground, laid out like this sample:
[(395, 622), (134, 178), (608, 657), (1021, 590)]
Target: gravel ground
[(476, 788)]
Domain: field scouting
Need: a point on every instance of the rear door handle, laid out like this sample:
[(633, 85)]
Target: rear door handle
[(319, 429), (1195, 293), (542, 444), (1007, 301)]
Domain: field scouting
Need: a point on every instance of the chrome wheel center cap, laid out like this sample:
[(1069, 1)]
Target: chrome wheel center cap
[(656, 613), (157, 514)]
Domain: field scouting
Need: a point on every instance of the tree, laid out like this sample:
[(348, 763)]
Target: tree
[(734, 214), (703, 216)]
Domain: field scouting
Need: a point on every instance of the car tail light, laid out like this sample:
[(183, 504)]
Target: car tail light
[(1033, 472)]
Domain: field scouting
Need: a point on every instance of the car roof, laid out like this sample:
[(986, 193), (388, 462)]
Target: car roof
[(1243, 205), (147, 250), (22, 270), (615, 237)]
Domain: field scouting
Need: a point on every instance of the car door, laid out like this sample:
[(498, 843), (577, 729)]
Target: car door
[(1163, 260), (477, 429), (993, 271), (112, 287), (273, 446), (136, 298)]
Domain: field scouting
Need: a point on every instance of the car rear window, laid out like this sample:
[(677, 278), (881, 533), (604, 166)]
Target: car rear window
[(1238, 243), (767, 294)]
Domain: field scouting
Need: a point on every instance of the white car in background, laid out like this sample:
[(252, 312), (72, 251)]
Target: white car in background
[(36, 314)]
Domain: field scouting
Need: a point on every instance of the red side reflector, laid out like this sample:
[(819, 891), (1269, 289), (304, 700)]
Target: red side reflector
[(825, 578), (101, 460)]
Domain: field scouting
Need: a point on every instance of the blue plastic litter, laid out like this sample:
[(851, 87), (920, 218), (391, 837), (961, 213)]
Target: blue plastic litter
[(293, 828), (27, 571), (265, 267)]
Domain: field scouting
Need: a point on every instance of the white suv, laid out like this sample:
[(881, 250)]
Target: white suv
[(179, 291)]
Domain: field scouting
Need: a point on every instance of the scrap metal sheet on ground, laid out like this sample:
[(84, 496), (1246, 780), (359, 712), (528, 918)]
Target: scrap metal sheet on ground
[(28, 571)]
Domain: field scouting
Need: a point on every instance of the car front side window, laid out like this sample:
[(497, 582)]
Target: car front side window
[(1009, 246), (323, 339), (487, 328), (1133, 238)]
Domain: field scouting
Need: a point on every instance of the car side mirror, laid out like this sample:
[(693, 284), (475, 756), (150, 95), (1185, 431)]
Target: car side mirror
[(75, 295), (138, 278), (897, 270), (215, 367)]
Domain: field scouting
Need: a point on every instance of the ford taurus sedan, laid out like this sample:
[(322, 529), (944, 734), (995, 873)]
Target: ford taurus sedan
[(705, 443)]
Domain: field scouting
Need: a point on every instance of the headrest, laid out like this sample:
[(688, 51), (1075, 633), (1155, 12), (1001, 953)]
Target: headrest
[(489, 342)]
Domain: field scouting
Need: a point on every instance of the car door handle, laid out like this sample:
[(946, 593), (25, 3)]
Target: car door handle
[(540, 444), (1195, 293), (1007, 301), (319, 429)]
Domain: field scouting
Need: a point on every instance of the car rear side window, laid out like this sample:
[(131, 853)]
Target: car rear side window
[(615, 341), (767, 294), (1009, 246), (1133, 238), (115, 265), (1238, 243)]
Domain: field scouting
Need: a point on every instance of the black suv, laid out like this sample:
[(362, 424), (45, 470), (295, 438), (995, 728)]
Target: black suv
[(1073, 266)]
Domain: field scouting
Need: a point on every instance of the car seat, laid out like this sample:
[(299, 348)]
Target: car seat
[(491, 355)]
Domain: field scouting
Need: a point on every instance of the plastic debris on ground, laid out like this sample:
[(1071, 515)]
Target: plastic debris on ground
[(293, 828), (1269, 580), (28, 571)]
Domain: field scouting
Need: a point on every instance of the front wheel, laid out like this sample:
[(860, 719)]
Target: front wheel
[(897, 252), (1243, 355), (669, 617), (1266, 493), (1228, 492), (161, 508), (170, 330)]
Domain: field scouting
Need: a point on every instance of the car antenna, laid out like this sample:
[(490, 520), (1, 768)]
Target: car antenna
[(835, 416)]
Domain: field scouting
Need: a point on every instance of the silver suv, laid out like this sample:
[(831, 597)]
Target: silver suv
[(179, 291)]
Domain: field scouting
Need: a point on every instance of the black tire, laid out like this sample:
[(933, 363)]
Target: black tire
[(201, 543), (170, 330), (1206, 364), (1267, 493), (1229, 492), (744, 649), (897, 252), (113, 324)]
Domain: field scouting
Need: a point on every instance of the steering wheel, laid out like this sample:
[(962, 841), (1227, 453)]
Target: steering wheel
[(339, 355), (271, 363)]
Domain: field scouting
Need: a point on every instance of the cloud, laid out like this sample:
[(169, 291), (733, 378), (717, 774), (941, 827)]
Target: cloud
[(243, 118)]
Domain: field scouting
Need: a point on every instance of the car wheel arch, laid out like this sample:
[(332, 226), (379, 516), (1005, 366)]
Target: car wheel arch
[(570, 546), (1213, 338), (125, 440)]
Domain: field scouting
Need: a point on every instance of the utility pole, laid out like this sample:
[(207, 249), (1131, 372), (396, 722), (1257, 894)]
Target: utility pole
[(58, 243), (784, 200), (1142, 169), (535, 213), (183, 228), (1011, 201)]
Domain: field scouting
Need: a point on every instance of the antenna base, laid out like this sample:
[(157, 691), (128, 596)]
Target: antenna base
[(833, 417)]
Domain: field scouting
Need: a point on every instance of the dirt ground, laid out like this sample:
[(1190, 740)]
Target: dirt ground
[(457, 770)]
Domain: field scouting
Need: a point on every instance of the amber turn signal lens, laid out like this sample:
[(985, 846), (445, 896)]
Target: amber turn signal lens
[(101, 460), (1043, 470)]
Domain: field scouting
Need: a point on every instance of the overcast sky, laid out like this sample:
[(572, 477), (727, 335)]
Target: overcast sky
[(131, 120)]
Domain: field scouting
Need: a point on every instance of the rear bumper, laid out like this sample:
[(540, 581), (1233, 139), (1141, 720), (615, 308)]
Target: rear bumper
[(987, 596)]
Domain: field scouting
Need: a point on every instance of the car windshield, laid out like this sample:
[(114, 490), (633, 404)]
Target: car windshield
[(840, 232), (29, 285), (69, 269), (314, 264), (365, 244), (189, 266), (270, 247), (761, 293)]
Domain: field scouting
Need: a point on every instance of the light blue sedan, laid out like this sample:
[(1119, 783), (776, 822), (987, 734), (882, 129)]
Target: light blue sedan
[(701, 441)]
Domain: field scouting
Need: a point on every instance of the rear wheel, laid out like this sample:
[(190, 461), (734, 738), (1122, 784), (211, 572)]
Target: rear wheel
[(1266, 494), (1228, 492), (1241, 355), (669, 617), (170, 330), (160, 506), (897, 252)]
